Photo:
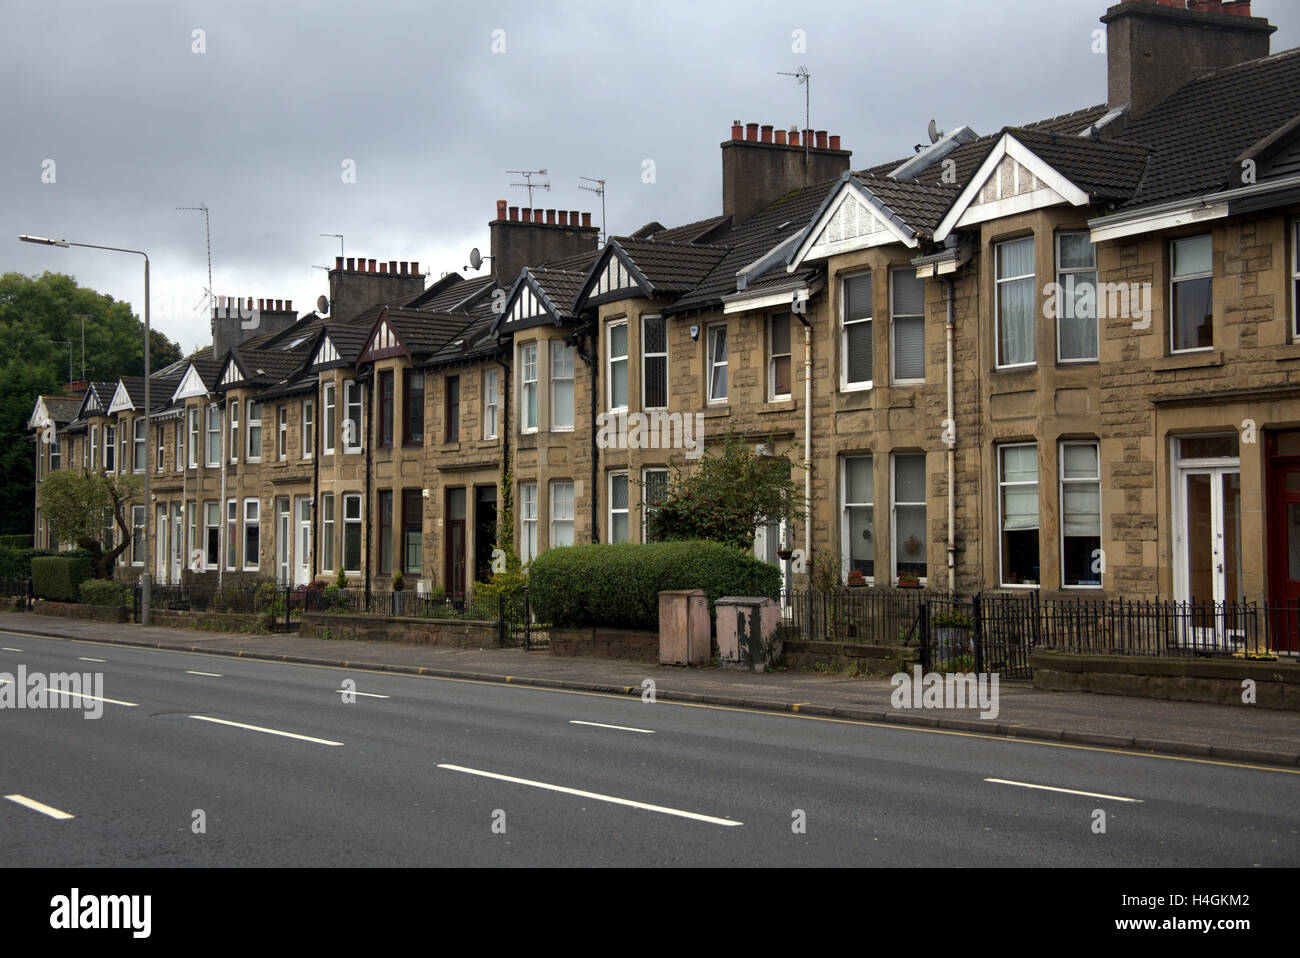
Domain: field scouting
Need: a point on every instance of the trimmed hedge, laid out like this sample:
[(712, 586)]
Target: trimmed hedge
[(17, 563), (60, 577), (16, 541), (618, 585), (107, 592)]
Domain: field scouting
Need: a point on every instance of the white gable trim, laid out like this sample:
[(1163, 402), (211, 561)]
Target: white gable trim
[(1046, 187), (854, 220), (526, 304), (383, 338), (40, 416), (121, 400), (614, 278), (325, 353), (191, 385), (232, 374)]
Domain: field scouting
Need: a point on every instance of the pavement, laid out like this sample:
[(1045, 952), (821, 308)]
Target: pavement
[(1223, 733)]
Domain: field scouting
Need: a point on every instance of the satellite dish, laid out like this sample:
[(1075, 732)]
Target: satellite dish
[(475, 258), (322, 305), (935, 132)]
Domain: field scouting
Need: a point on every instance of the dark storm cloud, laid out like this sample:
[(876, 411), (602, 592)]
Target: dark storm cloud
[(259, 126)]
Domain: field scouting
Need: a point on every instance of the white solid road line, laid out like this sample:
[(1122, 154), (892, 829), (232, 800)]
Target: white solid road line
[(38, 806), (7, 649), (594, 795), (268, 731), (369, 695), (97, 698), (215, 675), (1068, 791), (85, 658), (621, 728)]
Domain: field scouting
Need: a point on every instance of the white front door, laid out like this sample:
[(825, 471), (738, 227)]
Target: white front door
[(160, 544), (283, 540), (178, 542), (1208, 557), (303, 565)]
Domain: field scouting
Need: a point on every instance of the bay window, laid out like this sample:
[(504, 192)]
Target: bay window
[(1015, 301)]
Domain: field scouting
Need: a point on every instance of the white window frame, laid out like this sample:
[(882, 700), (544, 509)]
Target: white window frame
[(894, 316), (94, 447), (212, 522), (329, 405), (282, 431), (772, 356), (252, 516), (646, 473), (998, 282), (845, 384), (527, 521), (211, 431), (160, 461), (560, 350), (647, 356), (110, 447), (232, 532), (1002, 484), (251, 422), (354, 395), (137, 555), (1063, 482), (711, 363), (352, 497), (612, 360), (1174, 280), (192, 436), (234, 430), (491, 403), (846, 526), (139, 445), (308, 412), (527, 367), (327, 529), (625, 512), (1062, 304), (179, 436), (893, 513), (555, 486)]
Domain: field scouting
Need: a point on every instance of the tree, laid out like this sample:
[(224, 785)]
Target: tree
[(726, 497), (81, 504), (38, 318)]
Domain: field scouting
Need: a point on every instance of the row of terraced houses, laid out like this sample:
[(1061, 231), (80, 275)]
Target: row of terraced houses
[(1062, 356)]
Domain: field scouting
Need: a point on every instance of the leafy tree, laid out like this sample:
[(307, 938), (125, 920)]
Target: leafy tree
[(38, 318), (81, 504), (726, 497)]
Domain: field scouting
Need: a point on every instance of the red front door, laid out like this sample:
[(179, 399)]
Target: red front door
[(1284, 540)]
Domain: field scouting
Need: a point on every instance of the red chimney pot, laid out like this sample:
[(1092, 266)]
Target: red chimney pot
[(737, 131), (767, 133), (794, 137), (372, 266), (514, 214), (383, 268), (821, 139), (573, 217), (751, 131), (835, 143), (501, 209), (780, 137), (415, 268), (586, 220), (338, 262), (352, 263), (564, 217), (550, 217), (392, 266), (288, 306)]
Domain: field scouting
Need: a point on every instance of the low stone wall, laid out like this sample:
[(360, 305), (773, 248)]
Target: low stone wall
[(212, 621), (851, 657), (75, 610), (458, 633), (629, 644), (1221, 681)]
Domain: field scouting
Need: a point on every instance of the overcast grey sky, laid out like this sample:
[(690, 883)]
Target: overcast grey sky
[(259, 125)]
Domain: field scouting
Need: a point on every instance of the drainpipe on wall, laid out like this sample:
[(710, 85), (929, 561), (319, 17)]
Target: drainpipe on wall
[(223, 520), (807, 435), (591, 360), (318, 413), (370, 443), (952, 445)]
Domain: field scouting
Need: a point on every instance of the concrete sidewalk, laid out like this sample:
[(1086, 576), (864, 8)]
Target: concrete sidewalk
[(1227, 733)]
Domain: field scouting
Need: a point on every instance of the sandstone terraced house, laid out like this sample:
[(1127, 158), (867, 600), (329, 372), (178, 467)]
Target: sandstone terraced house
[(1062, 356)]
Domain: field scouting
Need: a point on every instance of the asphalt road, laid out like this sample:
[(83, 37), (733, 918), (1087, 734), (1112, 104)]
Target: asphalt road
[(424, 771)]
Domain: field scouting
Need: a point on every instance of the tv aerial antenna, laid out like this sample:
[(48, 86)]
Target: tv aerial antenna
[(207, 234), (804, 77), (599, 190), (528, 183)]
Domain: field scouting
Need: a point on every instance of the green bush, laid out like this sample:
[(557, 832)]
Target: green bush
[(17, 563), (16, 542), (618, 585), (60, 577), (106, 592)]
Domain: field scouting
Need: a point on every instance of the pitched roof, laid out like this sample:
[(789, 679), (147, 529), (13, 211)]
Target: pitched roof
[(1195, 135), (919, 205)]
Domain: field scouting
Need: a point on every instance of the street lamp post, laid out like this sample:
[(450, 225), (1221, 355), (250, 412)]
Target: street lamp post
[(146, 581)]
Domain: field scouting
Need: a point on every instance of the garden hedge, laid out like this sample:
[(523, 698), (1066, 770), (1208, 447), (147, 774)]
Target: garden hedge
[(17, 563), (107, 592), (22, 541), (60, 577), (618, 586)]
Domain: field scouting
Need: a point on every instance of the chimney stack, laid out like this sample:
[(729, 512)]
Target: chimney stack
[(1154, 47), (368, 282), (536, 236), (759, 170)]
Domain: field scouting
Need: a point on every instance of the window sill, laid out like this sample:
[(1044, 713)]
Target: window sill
[(1190, 360), (717, 410), (779, 405), (1290, 351)]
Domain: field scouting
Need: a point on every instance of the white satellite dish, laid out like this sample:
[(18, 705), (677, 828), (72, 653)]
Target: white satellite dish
[(475, 258), (935, 132)]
